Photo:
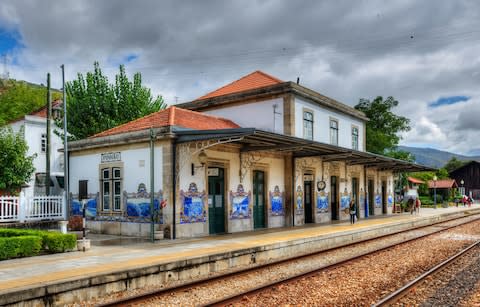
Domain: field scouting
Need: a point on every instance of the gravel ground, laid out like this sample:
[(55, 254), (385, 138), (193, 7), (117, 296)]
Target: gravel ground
[(456, 285), (364, 281), (360, 283)]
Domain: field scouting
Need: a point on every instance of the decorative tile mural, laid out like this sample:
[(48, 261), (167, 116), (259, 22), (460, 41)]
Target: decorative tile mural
[(299, 200), (138, 205), (91, 206), (276, 201), (390, 200), (378, 201), (240, 201), (345, 201), (362, 198), (322, 202), (194, 205)]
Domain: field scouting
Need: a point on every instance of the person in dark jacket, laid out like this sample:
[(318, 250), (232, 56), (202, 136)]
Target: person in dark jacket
[(353, 211)]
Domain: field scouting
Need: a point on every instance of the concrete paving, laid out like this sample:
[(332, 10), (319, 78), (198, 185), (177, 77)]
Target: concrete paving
[(111, 254)]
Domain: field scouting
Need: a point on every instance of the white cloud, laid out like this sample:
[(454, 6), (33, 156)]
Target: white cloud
[(346, 50)]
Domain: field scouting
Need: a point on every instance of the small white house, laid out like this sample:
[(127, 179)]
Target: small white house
[(257, 153)]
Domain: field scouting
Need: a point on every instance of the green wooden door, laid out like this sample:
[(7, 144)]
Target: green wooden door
[(258, 199), (355, 195), (216, 201), (334, 197), (308, 200), (371, 198)]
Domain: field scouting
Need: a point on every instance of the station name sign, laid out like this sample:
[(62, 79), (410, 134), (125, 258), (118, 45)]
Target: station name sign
[(111, 157)]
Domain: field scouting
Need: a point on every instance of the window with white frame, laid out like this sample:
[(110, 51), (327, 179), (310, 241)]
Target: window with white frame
[(308, 125), (43, 143), (355, 138), (333, 132), (111, 187)]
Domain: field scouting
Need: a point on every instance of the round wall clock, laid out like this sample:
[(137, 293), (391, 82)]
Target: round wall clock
[(321, 185)]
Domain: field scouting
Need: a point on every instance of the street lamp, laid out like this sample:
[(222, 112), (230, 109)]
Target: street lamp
[(463, 188), (435, 192)]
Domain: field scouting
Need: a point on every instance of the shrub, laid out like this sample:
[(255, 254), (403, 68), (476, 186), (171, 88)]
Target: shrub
[(55, 242), (11, 232), (29, 242), (21, 246), (29, 245)]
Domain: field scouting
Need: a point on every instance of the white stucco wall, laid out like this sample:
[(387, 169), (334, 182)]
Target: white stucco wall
[(255, 115), (230, 161), (315, 167), (34, 127), (136, 169), (321, 124)]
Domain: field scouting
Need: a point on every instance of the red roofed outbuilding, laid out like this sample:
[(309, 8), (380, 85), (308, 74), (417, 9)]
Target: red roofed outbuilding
[(444, 187)]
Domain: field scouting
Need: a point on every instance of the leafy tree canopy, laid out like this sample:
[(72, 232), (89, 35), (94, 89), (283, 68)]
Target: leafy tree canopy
[(18, 98), (384, 125), (95, 105), (453, 164), (17, 167)]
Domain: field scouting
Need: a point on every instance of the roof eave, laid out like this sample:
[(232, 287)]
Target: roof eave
[(119, 139), (273, 90)]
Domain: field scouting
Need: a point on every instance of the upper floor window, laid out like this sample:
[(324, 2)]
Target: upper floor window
[(308, 125), (355, 138), (43, 143), (333, 132)]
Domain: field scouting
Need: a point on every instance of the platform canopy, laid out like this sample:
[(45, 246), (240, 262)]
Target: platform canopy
[(254, 140)]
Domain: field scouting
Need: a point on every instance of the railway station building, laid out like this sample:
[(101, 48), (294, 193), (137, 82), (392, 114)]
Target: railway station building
[(256, 153)]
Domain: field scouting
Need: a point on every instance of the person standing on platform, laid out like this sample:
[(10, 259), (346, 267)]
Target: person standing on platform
[(353, 211), (418, 203), (411, 205)]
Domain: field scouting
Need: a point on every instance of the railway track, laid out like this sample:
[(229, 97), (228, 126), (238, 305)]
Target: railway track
[(395, 296), (426, 231)]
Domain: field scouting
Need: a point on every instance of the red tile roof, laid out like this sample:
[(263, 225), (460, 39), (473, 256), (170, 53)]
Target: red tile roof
[(42, 112), (173, 116), (256, 79), (415, 180), (443, 184)]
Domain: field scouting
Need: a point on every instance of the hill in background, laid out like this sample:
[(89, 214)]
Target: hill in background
[(18, 98), (434, 157)]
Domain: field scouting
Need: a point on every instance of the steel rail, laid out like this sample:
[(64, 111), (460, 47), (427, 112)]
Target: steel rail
[(234, 298), (401, 292), (238, 297)]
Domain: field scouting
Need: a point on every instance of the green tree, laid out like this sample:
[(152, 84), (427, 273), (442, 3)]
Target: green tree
[(453, 164), (442, 173), (17, 167), (95, 105), (18, 98), (384, 125)]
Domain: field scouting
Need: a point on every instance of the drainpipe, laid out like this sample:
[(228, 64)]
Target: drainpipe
[(174, 185), (365, 191), (152, 182), (294, 200)]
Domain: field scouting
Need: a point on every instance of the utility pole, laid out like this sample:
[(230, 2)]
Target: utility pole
[(47, 158), (65, 144)]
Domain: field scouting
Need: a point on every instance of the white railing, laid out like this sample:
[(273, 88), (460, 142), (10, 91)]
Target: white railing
[(9, 208), (36, 208)]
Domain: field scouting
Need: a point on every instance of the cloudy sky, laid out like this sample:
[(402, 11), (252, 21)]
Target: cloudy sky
[(424, 53)]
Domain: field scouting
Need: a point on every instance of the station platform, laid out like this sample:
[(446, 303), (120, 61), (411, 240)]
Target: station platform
[(116, 264)]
